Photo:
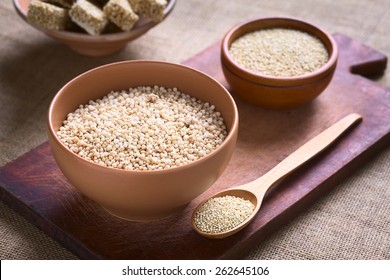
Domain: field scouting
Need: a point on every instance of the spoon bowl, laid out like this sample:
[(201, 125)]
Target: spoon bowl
[(255, 191), (241, 192)]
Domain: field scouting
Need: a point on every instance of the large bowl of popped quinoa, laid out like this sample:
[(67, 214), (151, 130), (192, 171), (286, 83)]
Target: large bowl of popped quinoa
[(94, 27), (278, 63), (142, 138)]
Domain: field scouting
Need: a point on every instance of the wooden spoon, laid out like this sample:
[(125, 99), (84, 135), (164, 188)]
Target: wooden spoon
[(255, 190)]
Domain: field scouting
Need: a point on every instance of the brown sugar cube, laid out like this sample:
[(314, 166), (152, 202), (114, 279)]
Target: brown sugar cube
[(63, 3), (88, 16), (48, 15), (152, 9), (121, 13)]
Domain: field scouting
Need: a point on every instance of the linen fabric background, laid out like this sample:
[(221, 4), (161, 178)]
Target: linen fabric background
[(352, 222)]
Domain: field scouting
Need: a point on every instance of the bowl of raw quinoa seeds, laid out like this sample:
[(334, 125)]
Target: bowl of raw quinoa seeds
[(278, 63), (94, 27), (142, 138)]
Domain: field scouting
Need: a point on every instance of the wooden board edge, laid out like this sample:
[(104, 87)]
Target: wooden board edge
[(46, 226)]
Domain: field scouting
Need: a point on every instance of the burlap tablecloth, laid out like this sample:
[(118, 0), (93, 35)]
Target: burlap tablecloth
[(352, 222)]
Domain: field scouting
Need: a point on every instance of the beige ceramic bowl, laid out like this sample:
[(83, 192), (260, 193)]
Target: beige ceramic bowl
[(141, 195), (271, 91), (93, 45)]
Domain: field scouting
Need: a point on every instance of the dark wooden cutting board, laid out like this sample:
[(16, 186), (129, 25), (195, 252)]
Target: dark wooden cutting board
[(35, 187)]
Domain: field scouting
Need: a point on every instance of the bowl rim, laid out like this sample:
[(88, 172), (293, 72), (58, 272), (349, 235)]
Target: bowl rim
[(70, 35), (256, 77), (283, 86), (233, 131)]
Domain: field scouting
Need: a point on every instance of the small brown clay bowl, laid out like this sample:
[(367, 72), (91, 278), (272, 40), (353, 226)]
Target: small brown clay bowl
[(86, 44), (141, 195), (275, 92)]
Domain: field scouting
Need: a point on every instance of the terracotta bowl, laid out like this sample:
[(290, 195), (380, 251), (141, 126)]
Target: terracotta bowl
[(93, 45), (141, 195), (271, 91)]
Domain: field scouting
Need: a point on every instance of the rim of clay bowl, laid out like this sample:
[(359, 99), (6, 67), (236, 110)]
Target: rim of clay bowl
[(300, 85), (231, 133), (278, 22), (21, 6)]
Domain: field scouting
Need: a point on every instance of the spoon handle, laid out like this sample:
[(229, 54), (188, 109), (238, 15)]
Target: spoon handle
[(306, 152)]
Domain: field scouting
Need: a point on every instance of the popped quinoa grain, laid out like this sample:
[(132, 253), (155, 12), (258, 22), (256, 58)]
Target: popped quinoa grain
[(221, 214), (279, 52), (143, 128)]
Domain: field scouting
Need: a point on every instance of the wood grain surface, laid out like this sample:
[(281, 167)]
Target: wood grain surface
[(34, 186)]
